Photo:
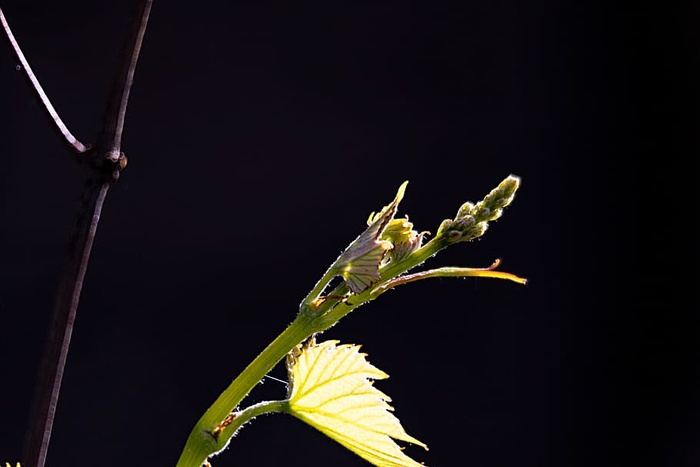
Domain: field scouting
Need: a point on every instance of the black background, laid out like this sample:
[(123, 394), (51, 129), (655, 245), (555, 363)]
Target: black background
[(260, 135)]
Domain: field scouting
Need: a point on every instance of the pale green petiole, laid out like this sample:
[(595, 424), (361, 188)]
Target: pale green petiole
[(202, 443), (235, 420)]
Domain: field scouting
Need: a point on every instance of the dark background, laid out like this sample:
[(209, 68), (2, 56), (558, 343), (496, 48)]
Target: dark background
[(260, 135)]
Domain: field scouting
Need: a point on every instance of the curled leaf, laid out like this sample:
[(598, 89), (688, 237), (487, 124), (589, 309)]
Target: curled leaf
[(359, 263), (332, 390), (404, 239)]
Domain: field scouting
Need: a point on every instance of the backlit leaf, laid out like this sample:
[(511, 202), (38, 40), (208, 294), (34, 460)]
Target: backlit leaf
[(359, 263), (332, 390)]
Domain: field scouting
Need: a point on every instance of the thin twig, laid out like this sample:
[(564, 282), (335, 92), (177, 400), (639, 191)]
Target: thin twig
[(62, 128), (110, 136), (56, 350), (105, 162)]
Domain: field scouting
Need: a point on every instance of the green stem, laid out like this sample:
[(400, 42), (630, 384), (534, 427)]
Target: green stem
[(387, 273), (307, 303), (201, 444), (253, 411)]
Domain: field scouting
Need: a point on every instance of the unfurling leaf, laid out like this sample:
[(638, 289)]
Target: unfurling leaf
[(359, 263), (404, 239), (332, 390)]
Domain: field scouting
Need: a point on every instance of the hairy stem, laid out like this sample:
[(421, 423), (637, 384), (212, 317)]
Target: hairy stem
[(261, 408), (202, 443)]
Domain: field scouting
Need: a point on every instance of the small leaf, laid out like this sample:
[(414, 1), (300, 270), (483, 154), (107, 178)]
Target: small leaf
[(363, 271), (359, 263), (404, 239), (332, 390)]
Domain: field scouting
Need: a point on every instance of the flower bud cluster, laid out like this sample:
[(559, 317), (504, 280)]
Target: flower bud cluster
[(472, 220)]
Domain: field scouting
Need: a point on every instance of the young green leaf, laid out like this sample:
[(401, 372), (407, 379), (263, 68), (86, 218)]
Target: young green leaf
[(332, 390), (359, 263)]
